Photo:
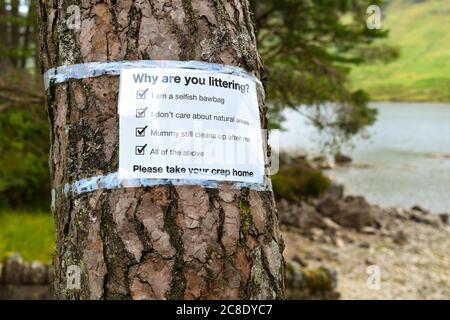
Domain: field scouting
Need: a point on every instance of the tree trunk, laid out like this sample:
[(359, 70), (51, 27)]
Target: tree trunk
[(174, 242), (14, 41), (4, 49), (29, 34)]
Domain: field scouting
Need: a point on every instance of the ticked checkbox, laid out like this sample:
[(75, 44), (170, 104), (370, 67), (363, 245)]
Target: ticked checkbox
[(140, 113), (140, 150), (140, 132), (141, 94)]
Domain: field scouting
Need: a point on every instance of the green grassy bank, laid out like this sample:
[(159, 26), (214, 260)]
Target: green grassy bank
[(30, 234), (420, 29)]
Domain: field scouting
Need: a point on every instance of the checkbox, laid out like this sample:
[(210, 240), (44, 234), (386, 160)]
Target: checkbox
[(140, 132), (141, 94), (140, 150), (140, 113)]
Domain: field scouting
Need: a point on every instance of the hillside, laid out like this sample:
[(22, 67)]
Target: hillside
[(420, 28)]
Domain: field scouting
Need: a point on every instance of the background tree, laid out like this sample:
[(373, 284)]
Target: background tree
[(24, 177), (18, 34), (308, 48), (162, 242)]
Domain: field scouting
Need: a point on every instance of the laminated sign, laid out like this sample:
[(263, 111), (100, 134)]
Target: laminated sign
[(189, 124)]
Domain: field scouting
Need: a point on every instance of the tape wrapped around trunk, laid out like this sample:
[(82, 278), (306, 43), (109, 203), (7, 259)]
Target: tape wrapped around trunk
[(111, 180)]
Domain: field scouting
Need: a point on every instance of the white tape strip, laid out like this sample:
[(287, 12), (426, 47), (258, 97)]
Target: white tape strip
[(96, 69), (112, 181)]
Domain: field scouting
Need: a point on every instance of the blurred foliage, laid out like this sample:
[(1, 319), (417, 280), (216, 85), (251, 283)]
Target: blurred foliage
[(297, 180), (18, 34), (24, 135), (24, 140), (308, 47), (340, 158)]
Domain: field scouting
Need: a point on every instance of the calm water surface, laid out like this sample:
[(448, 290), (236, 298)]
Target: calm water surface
[(406, 160)]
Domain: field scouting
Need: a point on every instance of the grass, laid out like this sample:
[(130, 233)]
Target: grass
[(422, 73), (30, 234)]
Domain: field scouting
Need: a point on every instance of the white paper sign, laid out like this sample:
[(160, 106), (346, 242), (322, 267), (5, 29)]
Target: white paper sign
[(189, 124)]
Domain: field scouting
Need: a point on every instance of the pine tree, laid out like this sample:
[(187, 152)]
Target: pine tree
[(174, 242)]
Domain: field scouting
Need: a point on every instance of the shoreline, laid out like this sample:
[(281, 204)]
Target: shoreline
[(433, 102), (347, 236)]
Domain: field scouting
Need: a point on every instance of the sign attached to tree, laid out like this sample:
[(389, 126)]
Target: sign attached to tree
[(189, 124)]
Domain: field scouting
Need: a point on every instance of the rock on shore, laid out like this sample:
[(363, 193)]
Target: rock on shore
[(22, 280), (346, 234)]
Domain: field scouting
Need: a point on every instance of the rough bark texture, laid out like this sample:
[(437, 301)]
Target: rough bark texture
[(151, 243)]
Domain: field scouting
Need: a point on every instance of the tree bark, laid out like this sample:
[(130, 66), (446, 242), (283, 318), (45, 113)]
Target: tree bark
[(166, 242)]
